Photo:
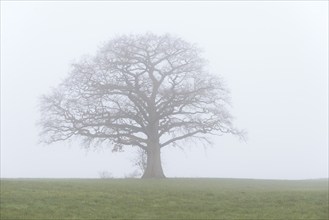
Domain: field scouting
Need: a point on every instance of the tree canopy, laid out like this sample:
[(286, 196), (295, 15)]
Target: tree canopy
[(145, 91)]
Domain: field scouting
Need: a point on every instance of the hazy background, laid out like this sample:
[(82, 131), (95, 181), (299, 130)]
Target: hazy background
[(272, 55)]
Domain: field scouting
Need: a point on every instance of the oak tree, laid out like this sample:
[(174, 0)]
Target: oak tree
[(145, 91)]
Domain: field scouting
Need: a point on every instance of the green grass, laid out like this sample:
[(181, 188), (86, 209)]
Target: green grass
[(163, 199)]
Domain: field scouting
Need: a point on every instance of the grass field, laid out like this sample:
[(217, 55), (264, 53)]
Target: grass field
[(163, 199)]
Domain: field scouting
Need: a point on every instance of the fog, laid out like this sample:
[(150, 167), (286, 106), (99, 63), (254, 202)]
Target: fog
[(273, 56)]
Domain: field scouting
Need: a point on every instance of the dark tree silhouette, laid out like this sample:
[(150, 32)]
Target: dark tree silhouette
[(145, 91)]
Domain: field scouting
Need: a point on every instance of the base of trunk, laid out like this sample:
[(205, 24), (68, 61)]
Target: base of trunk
[(154, 171), (153, 165), (153, 176)]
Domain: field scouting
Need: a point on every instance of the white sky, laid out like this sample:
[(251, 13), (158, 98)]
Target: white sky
[(272, 55)]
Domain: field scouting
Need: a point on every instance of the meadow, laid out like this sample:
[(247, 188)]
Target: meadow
[(163, 199)]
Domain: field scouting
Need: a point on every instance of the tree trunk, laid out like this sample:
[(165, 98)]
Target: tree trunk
[(153, 165)]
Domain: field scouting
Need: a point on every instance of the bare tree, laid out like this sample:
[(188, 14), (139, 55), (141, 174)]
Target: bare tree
[(140, 160), (145, 91), (105, 175)]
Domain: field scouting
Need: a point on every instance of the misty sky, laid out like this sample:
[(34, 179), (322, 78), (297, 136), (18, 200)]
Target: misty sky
[(272, 55)]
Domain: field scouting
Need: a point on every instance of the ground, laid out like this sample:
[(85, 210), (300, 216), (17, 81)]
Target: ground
[(163, 199)]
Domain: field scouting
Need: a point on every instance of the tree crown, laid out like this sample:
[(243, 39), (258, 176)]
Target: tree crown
[(138, 90)]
